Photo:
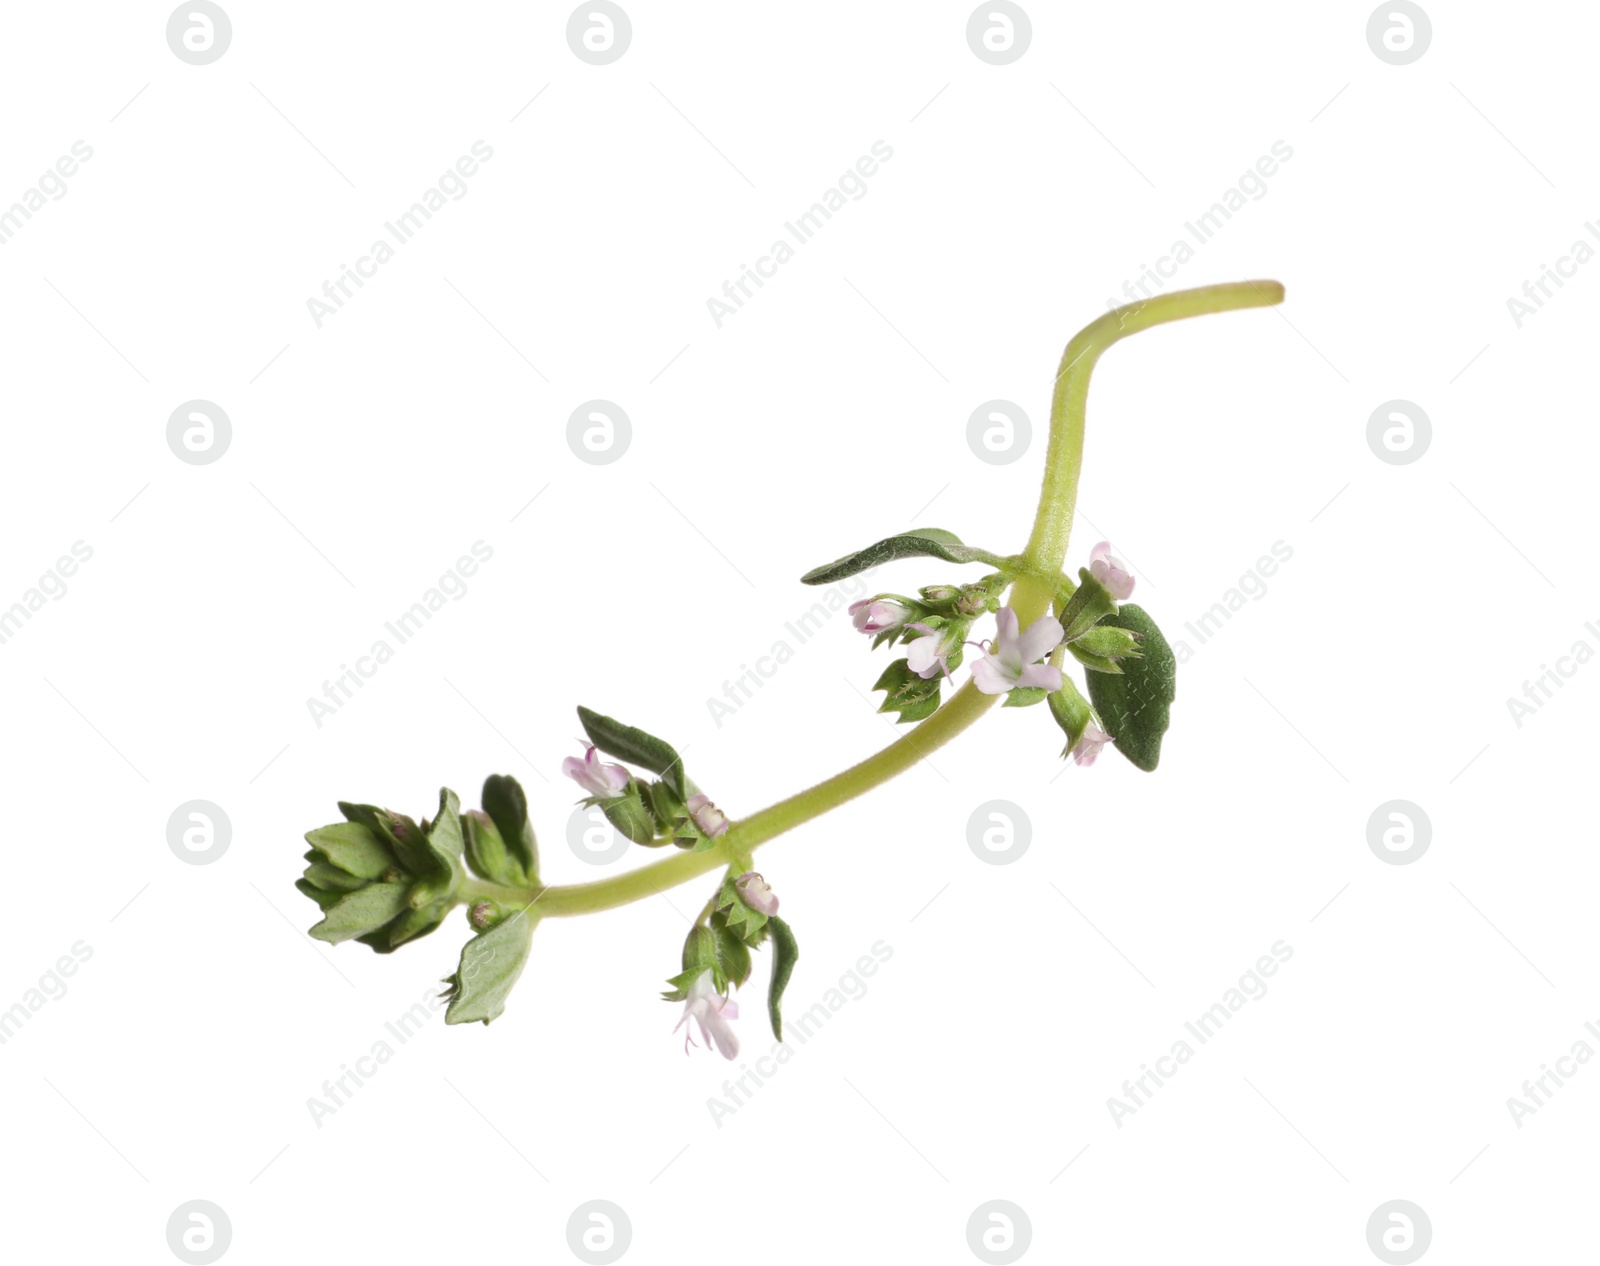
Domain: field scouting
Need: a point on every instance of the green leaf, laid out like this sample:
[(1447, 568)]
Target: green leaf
[(918, 543), (1135, 706), (637, 748), (444, 836), (361, 912), (326, 875), (1024, 696), (1090, 604), (408, 927), (1071, 711), (785, 954), (507, 807), (733, 955), (913, 697), (401, 834), (490, 965), (325, 898), (353, 848)]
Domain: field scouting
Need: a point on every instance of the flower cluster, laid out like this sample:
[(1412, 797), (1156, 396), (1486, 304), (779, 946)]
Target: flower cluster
[(716, 959), (1022, 664)]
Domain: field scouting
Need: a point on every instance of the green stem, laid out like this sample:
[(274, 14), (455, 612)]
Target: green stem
[(1031, 597)]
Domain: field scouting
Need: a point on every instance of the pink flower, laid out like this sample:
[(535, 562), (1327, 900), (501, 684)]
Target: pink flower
[(1012, 661), (605, 782), (710, 819), (757, 893), (1087, 749), (712, 1012), (874, 615), (1111, 572), (927, 654)]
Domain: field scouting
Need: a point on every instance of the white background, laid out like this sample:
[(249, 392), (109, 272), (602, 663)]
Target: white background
[(370, 453)]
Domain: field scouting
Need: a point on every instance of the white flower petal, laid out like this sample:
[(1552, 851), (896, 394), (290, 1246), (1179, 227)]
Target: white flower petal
[(1042, 637)]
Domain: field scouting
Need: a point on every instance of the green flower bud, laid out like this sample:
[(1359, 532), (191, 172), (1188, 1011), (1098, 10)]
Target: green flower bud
[(1110, 642), (628, 814), (486, 852), (699, 949)]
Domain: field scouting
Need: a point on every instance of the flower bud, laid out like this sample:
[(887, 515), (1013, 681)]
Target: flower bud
[(878, 615), (1109, 641), (628, 814), (756, 893), (699, 949), (486, 850), (710, 819), (1111, 572)]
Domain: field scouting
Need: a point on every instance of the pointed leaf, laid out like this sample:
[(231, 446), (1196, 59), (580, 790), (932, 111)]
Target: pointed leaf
[(918, 543), (785, 954), (361, 912), (352, 848), (445, 840), (637, 748)]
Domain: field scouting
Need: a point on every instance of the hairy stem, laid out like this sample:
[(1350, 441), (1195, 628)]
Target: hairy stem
[(1031, 596)]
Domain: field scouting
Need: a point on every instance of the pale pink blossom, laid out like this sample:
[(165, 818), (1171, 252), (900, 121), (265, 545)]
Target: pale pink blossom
[(927, 655), (1111, 572), (606, 782), (874, 615), (1011, 661), (757, 893), (710, 819), (712, 1012), (1087, 749)]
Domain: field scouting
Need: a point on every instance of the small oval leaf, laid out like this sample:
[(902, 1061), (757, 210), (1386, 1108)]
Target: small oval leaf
[(1135, 704)]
